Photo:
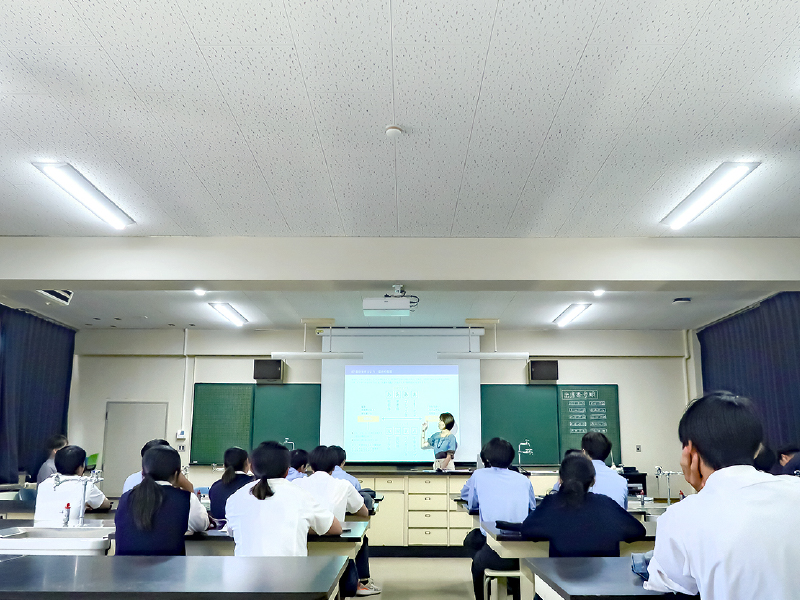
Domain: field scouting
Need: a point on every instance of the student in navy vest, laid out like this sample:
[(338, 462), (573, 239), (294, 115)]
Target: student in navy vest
[(154, 516), (236, 475)]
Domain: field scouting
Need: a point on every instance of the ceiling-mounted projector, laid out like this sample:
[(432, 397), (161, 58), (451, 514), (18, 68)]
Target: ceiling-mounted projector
[(390, 306)]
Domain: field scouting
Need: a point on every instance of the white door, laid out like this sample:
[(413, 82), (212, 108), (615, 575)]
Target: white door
[(129, 426)]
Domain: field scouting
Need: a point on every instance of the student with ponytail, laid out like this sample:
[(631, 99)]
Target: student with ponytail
[(272, 516), (236, 475), (154, 516), (578, 522)]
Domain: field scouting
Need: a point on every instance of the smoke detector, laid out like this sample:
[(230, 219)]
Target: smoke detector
[(393, 131)]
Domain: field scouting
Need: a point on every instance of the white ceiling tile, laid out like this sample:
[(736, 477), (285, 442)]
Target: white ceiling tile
[(35, 23), (536, 67), (176, 68), (524, 22), (451, 68), (333, 22), (220, 23), (136, 22), (513, 123), (256, 70), (347, 67), (443, 21), (435, 112), (635, 22), (780, 72), (345, 118), (740, 21), (15, 166), (15, 78)]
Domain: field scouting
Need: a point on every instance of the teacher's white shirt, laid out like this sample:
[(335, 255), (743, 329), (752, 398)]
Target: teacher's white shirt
[(51, 500), (277, 525), (337, 495), (735, 539)]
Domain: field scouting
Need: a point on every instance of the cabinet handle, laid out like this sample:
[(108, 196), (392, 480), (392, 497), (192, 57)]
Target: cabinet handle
[(427, 533), (427, 481), (388, 481), (427, 497), (427, 515)]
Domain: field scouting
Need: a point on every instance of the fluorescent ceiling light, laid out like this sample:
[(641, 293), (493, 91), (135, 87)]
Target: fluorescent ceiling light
[(230, 313), (317, 355), (599, 293), (715, 186), (199, 291), (483, 355), (569, 315), (80, 188)]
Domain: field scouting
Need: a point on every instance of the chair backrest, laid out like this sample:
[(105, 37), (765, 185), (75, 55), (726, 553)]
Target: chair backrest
[(26, 495)]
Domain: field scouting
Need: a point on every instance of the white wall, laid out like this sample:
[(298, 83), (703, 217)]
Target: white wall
[(654, 375)]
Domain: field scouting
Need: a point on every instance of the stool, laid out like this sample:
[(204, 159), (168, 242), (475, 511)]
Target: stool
[(502, 579)]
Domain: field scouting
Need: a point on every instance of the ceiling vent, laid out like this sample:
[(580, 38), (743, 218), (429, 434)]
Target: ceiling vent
[(60, 296)]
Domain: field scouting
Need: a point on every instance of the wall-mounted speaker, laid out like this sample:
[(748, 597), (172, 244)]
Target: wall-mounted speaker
[(269, 370), (540, 371)]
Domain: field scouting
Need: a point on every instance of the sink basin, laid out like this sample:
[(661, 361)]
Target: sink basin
[(72, 541), (656, 510)]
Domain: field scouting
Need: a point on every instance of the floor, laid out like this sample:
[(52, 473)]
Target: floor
[(422, 578)]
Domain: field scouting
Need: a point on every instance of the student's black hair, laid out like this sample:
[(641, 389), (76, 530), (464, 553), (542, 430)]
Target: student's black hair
[(234, 460), (765, 459), (299, 458), (572, 451), (159, 463), (484, 460), (576, 473), (596, 445), (269, 460), (69, 458), (323, 458), (56, 442), (448, 420), (499, 453), (723, 428), (789, 449), (341, 455), (153, 444)]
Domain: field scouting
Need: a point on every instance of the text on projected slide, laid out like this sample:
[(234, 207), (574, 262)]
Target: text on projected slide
[(385, 405)]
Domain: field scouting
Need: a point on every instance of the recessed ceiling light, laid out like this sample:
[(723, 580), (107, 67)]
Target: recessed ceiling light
[(199, 291), (570, 314), (230, 313), (80, 188), (715, 186), (599, 293)]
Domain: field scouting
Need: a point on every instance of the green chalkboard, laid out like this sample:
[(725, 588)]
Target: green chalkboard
[(287, 411), (583, 408), (520, 412), (222, 417)]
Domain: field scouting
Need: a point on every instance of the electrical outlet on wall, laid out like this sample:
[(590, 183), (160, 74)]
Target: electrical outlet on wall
[(638, 448), (181, 447)]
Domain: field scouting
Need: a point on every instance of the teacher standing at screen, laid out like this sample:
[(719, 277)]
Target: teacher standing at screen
[(443, 442)]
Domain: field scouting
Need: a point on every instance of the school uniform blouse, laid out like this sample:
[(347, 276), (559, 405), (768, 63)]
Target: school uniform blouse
[(170, 523), (48, 468), (340, 473), (294, 474), (442, 444), (595, 528), (220, 492), (277, 525), (337, 495), (500, 495)]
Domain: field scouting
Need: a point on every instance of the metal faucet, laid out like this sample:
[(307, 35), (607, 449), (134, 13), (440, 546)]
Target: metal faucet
[(287, 441), (667, 474), (94, 478), (527, 450), (216, 467)]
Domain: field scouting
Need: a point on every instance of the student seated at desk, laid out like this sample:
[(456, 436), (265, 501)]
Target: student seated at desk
[(340, 497), (608, 482), (299, 464), (135, 479), (237, 474), (789, 459), (54, 444), (499, 495), (735, 538), (153, 518), (578, 522), (53, 497), (339, 472), (272, 516)]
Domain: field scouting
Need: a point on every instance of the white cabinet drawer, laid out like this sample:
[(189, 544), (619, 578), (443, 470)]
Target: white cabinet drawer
[(367, 482), (456, 483), (389, 484), (427, 502), (457, 536), (419, 518), (427, 485), (461, 519), (427, 537)]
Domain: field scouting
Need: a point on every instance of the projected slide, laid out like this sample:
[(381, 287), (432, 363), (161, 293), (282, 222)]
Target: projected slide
[(384, 407)]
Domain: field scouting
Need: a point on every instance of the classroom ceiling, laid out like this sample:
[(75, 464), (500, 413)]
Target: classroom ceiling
[(523, 118), (284, 309)]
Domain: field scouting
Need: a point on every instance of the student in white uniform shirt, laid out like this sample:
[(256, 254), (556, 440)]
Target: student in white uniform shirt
[(339, 472), (340, 497), (54, 444), (135, 479), (52, 499), (735, 538), (272, 516)]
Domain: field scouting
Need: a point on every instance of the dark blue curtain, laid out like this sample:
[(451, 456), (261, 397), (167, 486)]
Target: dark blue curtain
[(757, 354), (35, 376)]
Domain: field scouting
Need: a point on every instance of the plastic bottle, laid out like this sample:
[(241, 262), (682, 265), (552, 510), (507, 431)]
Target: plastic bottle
[(65, 513), (681, 495)]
